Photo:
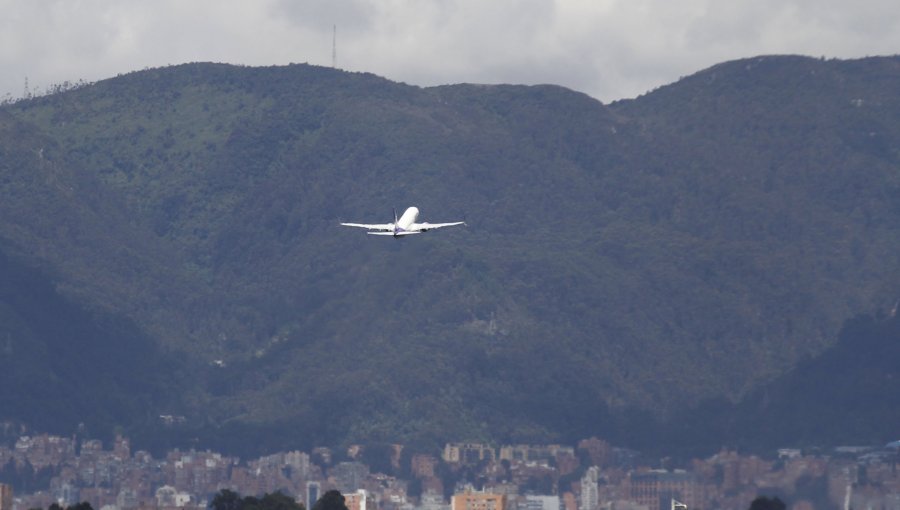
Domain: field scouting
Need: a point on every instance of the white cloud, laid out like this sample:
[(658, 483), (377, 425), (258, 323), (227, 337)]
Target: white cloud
[(607, 48)]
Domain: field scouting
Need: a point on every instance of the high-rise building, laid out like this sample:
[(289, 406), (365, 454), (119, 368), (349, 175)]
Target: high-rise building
[(590, 494), (312, 494)]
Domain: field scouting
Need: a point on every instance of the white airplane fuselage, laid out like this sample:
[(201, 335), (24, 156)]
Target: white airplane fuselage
[(406, 224), (410, 215)]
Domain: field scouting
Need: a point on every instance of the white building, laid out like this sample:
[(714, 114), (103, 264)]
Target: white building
[(167, 496), (541, 502), (590, 494), (432, 501)]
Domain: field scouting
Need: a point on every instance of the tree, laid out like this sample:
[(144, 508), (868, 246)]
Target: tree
[(230, 500), (378, 457), (226, 500), (279, 501), (764, 503), (331, 500)]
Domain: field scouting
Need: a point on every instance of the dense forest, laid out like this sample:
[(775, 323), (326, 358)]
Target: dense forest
[(170, 245)]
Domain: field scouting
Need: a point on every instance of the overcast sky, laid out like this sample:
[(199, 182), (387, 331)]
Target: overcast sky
[(610, 49)]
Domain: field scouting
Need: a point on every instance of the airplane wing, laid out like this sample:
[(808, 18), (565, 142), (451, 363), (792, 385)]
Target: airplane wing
[(376, 226), (395, 234), (431, 226)]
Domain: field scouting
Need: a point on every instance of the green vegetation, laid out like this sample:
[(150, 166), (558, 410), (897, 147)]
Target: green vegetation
[(622, 262), (841, 396), (766, 503), (230, 500), (331, 500)]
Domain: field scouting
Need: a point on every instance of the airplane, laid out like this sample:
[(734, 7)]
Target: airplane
[(404, 226)]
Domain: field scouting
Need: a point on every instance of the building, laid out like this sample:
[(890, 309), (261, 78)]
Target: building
[(656, 489), (542, 503), (67, 494), (127, 499), (468, 453), (473, 500), (598, 450), (299, 463), (423, 465), (358, 500), (541, 454), (432, 501), (349, 476), (313, 491), (590, 492), (168, 496), (6, 497)]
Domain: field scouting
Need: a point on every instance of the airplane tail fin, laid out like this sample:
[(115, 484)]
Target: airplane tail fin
[(395, 215)]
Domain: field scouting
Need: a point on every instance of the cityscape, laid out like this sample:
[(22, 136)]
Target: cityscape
[(672, 280), (592, 475)]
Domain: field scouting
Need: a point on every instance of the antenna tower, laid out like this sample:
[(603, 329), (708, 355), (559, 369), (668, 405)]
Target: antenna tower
[(334, 47)]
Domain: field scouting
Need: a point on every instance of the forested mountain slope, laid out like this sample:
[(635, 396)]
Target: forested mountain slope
[(620, 260), (849, 394)]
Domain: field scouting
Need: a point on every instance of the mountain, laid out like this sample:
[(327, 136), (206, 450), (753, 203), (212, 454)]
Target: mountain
[(859, 376), (62, 345), (840, 397), (621, 263)]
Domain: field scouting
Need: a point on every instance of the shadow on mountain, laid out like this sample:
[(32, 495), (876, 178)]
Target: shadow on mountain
[(64, 365), (843, 396)]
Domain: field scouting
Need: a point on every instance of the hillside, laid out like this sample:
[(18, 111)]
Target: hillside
[(841, 397), (621, 260)]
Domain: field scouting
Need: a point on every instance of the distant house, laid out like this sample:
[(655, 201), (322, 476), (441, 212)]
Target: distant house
[(468, 453), (475, 500)]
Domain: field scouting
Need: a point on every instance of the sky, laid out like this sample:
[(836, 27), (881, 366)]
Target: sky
[(609, 49)]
